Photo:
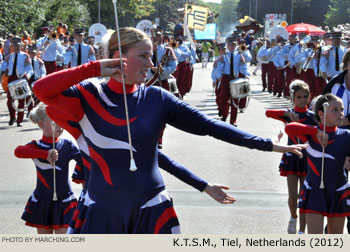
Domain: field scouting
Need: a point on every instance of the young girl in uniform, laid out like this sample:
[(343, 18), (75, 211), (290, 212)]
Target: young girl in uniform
[(47, 213), (292, 166), (332, 200)]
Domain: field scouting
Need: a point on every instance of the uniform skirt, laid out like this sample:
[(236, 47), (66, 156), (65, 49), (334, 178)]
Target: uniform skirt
[(42, 212)]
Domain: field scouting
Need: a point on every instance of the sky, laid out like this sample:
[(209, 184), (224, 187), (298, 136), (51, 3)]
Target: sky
[(213, 1)]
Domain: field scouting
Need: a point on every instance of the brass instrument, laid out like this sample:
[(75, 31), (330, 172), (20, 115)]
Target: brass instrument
[(298, 68), (174, 44), (52, 35), (309, 58), (242, 48)]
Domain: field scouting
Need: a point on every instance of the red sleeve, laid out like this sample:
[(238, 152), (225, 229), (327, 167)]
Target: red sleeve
[(30, 151), (277, 114), (295, 129), (49, 89)]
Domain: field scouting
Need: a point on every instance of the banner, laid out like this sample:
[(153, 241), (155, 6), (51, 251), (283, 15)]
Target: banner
[(196, 16), (208, 33)]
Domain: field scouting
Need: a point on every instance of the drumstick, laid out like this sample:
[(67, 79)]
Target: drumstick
[(325, 107), (53, 128), (132, 161)]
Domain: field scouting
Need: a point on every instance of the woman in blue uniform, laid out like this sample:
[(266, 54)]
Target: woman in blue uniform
[(42, 211), (121, 201)]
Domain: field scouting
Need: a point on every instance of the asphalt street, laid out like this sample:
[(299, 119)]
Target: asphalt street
[(252, 176)]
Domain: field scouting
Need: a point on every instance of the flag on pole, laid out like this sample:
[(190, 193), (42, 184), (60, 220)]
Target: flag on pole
[(196, 16)]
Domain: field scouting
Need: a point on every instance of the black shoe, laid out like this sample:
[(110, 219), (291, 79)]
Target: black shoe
[(220, 113), (264, 89), (19, 124), (279, 95), (160, 146), (241, 111), (223, 119), (234, 124), (254, 73), (11, 121)]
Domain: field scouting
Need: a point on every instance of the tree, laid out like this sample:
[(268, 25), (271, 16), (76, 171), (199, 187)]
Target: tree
[(338, 13), (128, 11), (17, 16), (228, 16)]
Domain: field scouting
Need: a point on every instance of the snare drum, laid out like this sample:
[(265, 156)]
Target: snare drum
[(239, 88), (19, 89)]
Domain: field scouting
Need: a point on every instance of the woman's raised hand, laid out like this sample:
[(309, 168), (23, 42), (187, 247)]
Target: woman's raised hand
[(110, 67)]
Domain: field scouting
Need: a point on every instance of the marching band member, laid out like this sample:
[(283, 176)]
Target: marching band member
[(279, 63), (272, 71), (331, 59), (306, 59), (182, 73), (231, 66), (80, 53), (39, 71), (49, 45), (191, 61), (42, 211), (320, 81), (17, 65), (164, 63), (289, 69), (294, 51), (216, 83), (262, 55), (339, 85), (292, 166), (326, 190)]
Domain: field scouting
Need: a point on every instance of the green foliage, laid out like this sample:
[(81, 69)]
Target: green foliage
[(129, 11), (228, 16), (338, 12), (17, 16)]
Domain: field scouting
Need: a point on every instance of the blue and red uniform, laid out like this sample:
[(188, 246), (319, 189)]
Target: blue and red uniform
[(117, 200), (41, 211), (291, 164), (334, 200)]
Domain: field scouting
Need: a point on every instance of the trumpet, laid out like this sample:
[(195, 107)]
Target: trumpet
[(242, 48), (174, 44), (52, 35)]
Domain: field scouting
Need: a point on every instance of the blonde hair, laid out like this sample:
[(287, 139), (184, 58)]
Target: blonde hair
[(346, 59), (38, 113), (129, 36)]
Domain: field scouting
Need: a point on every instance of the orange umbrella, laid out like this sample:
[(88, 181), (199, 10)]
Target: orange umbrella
[(305, 28)]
